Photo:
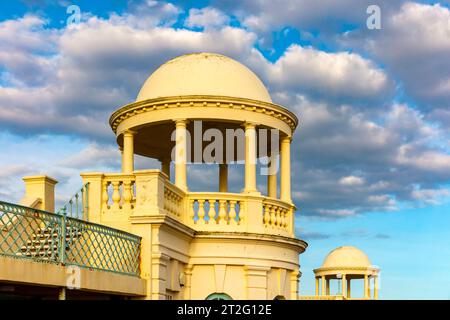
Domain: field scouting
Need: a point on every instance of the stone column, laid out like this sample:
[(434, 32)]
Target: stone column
[(285, 188), (375, 285), (223, 177), (323, 290), (366, 287), (128, 151), (317, 286), (181, 154), (328, 286), (250, 158), (344, 283), (348, 288), (295, 275), (95, 195)]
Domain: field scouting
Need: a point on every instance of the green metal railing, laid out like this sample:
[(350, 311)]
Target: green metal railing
[(77, 207), (28, 233)]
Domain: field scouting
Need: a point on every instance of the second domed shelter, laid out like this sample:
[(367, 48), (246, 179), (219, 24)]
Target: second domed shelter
[(346, 263), (221, 93)]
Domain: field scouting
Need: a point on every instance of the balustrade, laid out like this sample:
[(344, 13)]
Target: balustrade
[(151, 193), (118, 192)]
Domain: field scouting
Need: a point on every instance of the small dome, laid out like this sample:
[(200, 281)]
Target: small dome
[(346, 256), (203, 74)]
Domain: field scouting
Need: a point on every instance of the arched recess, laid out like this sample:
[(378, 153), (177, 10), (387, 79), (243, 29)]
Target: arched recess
[(218, 296)]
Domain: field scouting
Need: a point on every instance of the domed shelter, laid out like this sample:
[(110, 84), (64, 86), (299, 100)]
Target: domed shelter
[(217, 93), (205, 108), (346, 263)]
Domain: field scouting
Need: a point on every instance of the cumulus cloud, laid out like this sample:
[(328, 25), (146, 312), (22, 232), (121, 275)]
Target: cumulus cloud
[(414, 45), (355, 150), (338, 76), (206, 18), (351, 181)]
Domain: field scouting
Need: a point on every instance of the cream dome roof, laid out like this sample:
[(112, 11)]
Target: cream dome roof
[(203, 74), (346, 256)]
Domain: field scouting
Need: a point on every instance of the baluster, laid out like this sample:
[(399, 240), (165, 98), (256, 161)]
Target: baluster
[(116, 194), (222, 218), (105, 196), (232, 213), (278, 217), (241, 215), (266, 219), (192, 211), (201, 211), (272, 216), (212, 211), (127, 195)]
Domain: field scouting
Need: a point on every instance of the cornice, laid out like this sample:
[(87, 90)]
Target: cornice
[(149, 105)]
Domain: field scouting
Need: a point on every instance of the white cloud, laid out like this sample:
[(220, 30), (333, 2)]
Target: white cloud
[(206, 18), (351, 181), (431, 196), (338, 76)]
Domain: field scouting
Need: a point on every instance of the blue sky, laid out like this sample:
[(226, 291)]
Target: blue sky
[(371, 157)]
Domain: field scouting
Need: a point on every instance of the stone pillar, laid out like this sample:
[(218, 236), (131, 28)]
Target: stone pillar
[(188, 284), (323, 290), (272, 177), (223, 177), (165, 167), (250, 158), (348, 288), (375, 285), (344, 283), (128, 151), (317, 286), (181, 154), (285, 188), (328, 286), (39, 193), (95, 195), (295, 275), (159, 276), (62, 293), (256, 281), (366, 287)]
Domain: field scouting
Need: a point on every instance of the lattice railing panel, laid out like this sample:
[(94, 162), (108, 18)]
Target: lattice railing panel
[(100, 247), (43, 236)]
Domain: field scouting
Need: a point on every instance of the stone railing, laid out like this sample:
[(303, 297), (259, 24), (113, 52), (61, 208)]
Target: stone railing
[(118, 192), (216, 211), (277, 215), (173, 200), (114, 198)]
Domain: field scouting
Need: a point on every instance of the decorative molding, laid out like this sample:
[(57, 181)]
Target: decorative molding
[(267, 108)]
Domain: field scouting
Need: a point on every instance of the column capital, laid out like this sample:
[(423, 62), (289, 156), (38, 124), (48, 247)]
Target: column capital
[(181, 122), (286, 139), (249, 125), (129, 132)]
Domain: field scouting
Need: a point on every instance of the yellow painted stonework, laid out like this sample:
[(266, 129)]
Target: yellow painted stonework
[(247, 249)]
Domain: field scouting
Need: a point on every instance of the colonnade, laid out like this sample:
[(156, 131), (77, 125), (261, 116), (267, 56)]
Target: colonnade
[(323, 286), (250, 162)]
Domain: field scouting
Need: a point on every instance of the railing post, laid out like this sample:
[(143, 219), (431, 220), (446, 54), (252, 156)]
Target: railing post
[(86, 202), (62, 242)]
